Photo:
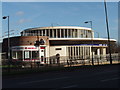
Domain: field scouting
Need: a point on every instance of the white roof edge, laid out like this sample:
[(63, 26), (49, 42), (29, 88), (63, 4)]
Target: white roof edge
[(105, 39), (75, 27), (81, 39)]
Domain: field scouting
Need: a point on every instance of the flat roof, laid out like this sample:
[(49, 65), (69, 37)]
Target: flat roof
[(95, 39)]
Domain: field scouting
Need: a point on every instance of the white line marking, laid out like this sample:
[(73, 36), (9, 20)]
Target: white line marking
[(42, 80), (70, 86), (109, 79)]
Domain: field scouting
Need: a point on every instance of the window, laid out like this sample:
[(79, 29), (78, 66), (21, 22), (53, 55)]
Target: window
[(19, 54), (40, 33), (54, 30), (50, 32), (47, 32), (65, 33), (87, 51), (75, 33), (76, 51), (43, 32), (58, 33), (14, 55), (69, 52), (62, 35), (58, 49), (36, 32), (72, 32), (69, 35), (81, 35), (35, 55), (32, 33), (95, 51), (27, 54)]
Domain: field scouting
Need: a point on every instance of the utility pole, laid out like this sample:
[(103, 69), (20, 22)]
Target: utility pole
[(109, 45)]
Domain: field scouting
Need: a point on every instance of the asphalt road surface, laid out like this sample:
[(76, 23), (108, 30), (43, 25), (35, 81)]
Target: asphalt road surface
[(84, 77)]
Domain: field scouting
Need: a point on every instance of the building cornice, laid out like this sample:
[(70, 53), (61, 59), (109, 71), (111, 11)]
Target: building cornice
[(89, 39)]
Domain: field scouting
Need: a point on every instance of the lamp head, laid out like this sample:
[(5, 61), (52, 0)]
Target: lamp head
[(85, 22), (4, 17)]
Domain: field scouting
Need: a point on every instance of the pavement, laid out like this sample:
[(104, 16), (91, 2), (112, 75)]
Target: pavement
[(103, 76)]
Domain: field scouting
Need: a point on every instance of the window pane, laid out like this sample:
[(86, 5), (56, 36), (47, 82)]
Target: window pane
[(14, 55), (75, 33), (35, 55), (43, 32), (65, 33), (54, 32), (19, 54), (69, 33), (50, 32), (58, 33), (62, 34), (27, 54), (47, 32)]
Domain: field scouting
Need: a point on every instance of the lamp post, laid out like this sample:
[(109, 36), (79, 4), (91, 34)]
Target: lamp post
[(98, 34), (109, 45), (6, 33), (38, 44), (8, 44), (91, 40)]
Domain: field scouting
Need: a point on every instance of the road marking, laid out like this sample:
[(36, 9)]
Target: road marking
[(70, 86), (109, 79), (42, 80)]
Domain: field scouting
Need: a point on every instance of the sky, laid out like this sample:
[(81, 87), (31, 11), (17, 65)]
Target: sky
[(59, 0), (25, 15)]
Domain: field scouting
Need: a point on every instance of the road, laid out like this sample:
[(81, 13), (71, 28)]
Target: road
[(84, 77)]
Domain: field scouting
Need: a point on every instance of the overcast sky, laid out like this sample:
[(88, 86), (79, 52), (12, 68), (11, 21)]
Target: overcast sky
[(25, 15)]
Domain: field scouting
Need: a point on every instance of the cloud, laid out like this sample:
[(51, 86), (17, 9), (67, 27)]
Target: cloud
[(23, 21), (19, 13)]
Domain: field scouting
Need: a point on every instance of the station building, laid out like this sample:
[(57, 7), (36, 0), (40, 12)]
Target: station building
[(69, 42)]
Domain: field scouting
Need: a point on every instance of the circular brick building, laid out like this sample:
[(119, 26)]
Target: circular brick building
[(69, 42)]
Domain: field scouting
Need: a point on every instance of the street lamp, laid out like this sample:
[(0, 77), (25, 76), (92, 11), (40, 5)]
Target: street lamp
[(8, 44), (91, 40)]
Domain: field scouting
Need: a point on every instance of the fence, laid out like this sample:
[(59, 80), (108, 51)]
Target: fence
[(62, 61)]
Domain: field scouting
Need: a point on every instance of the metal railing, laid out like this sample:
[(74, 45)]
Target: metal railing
[(64, 61)]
